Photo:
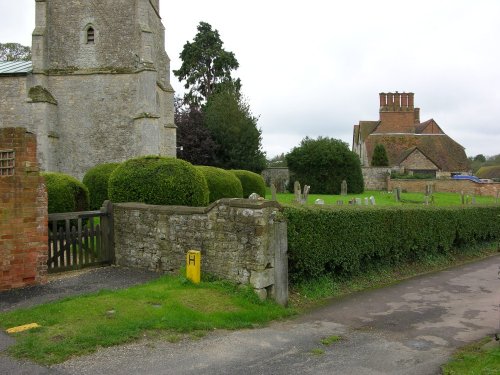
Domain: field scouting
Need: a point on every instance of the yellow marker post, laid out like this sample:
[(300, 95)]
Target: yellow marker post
[(193, 266)]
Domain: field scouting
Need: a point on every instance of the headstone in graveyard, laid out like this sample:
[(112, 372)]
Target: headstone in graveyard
[(340, 202), (426, 200), (319, 201), (297, 192), (306, 193), (473, 200), (463, 197), (372, 200), (366, 201), (273, 192), (343, 188), (358, 201)]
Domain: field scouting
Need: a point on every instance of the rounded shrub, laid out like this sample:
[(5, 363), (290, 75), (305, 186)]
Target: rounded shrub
[(96, 180), (158, 180), (65, 193), (221, 183), (251, 182)]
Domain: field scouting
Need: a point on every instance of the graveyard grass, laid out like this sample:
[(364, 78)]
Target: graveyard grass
[(383, 198), (170, 308)]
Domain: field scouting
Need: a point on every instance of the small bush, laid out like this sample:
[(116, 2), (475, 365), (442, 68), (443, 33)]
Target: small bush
[(221, 183), (96, 180), (65, 193), (348, 240), (158, 180), (251, 182)]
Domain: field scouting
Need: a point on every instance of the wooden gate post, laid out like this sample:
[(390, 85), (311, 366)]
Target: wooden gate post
[(107, 226)]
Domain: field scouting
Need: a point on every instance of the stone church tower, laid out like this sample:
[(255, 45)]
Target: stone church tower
[(100, 89)]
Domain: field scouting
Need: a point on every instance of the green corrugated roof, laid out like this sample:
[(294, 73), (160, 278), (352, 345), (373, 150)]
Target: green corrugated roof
[(16, 67)]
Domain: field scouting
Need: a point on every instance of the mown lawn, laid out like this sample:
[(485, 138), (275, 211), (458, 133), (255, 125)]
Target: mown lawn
[(475, 360), (80, 325), (385, 199)]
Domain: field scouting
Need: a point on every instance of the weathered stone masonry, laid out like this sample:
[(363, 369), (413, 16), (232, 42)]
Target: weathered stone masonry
[(23, 212), (237, 239)]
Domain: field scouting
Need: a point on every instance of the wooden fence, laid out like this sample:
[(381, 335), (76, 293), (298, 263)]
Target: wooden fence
[(81, 239)]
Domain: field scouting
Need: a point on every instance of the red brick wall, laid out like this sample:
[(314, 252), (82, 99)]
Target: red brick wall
[(23, 214), (447, 186)]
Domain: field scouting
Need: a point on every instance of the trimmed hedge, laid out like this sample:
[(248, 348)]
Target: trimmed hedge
[(96, 180), (221, 183), (158, 180), (65, 193), (251, 182), (347, 240)]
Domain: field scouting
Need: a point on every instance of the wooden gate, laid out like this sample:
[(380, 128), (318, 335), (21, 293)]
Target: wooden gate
[(81, 239)]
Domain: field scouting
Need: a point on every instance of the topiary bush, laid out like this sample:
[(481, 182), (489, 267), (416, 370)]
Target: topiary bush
[(96, 180), (65, 193), (221, 183), (251, 182), (158, 180)]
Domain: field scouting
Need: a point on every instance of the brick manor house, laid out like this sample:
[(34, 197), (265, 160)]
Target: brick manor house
[(411, 145)]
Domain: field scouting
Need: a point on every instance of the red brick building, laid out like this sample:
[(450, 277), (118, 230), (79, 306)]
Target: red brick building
[(412, 145)]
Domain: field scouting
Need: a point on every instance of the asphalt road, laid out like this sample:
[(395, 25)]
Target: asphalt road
[(408, 328)]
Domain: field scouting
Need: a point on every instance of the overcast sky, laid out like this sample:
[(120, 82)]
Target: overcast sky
[(312, 68)]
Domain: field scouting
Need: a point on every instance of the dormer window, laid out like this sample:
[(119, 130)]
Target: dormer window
[(90, 35)]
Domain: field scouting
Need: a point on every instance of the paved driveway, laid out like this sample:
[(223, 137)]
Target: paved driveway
[(408, 328)]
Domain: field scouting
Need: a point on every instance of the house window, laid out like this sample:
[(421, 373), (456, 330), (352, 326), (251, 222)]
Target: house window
[(90, 35), (7, 162)]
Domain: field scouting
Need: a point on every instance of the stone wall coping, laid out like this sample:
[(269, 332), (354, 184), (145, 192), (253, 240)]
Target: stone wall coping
[(395, 180), (186, 210)]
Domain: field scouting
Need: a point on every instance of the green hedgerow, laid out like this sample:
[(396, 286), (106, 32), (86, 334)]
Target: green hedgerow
[(65, 193), (158, 180), (96, 180), (221, 183), (251, 182)]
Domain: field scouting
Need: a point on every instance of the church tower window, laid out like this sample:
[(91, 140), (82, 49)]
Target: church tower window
[(90, 35)]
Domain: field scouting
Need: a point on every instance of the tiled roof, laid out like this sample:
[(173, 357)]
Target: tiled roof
[(492, 171), (15, 67), (443, 151)]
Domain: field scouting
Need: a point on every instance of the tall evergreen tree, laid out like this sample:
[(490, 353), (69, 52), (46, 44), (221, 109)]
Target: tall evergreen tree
[(379, 157)]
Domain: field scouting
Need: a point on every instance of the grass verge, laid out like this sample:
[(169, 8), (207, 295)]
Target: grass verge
[(474, 359), (80, 325), (312, 293)]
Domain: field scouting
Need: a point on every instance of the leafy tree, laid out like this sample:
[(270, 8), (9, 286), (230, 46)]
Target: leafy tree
[(480, 158), (234, 129), (14, 52), (205, 64), (198, 146), (323, 163), (277, 161), (379, 157)]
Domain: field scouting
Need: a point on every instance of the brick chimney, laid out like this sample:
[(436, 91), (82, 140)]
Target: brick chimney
[(397, 113)]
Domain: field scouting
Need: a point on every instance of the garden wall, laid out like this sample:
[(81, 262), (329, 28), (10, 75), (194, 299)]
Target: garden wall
[(23, 213), (240, 240), (375, 178), (447, 186)]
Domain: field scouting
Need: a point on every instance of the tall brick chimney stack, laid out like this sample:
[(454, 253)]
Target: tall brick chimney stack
[(397, 113)]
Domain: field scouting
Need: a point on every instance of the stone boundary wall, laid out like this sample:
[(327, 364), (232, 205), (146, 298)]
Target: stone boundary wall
[(240, 240), (23, 212), (448, 186), (375, 178)]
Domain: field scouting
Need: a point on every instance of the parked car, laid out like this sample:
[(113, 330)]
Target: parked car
[(466, 177)]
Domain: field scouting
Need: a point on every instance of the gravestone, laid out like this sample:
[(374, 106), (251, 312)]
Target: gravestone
[(397, 194), (426, 200), (372, 200), (343, 188), (473, 200), (297, 192), (463, 197), (319, 201), (340, 202), (366, 201), (306, 193), (428, 189), (273, 192), (358, 201)]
